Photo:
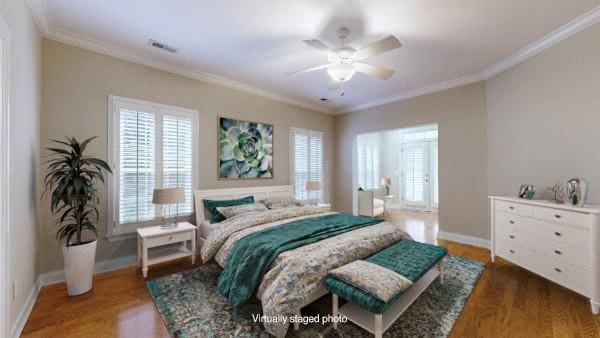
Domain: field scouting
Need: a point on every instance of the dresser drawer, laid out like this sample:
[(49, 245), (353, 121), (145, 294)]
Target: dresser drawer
[(169, 239), (513, 253), (515, 208), (512, 221), (575, 237), (561, 216), (566, 275)]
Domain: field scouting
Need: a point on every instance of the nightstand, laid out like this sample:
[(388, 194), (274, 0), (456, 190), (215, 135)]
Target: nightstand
[(155, 237)]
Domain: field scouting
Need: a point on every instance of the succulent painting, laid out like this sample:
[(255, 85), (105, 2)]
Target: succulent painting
[(245, 149)]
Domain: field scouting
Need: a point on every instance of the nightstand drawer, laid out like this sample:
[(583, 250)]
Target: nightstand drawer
[(169, 239)]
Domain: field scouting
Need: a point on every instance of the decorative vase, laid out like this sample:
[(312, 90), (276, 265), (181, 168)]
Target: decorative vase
[(577, 191), (79, 267)]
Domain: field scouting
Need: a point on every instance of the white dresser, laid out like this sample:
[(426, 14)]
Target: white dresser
[(557, 241)]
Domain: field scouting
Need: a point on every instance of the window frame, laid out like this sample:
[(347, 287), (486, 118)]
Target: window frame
[(115, 230), (309, 133)]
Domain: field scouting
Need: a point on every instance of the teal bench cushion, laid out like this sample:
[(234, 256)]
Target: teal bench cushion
[(409, 258)]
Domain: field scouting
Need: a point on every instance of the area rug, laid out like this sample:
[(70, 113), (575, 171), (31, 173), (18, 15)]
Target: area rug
[(191, 306)]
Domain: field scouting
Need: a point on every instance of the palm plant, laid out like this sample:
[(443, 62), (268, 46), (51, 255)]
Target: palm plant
[(71, 180)]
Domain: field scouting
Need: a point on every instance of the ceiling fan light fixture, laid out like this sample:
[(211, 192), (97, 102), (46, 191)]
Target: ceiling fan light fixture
[(341, 72)]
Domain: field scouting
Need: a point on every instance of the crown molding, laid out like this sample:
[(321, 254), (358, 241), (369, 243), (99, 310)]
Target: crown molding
[(44, 22), (461, 81), (578, 24)]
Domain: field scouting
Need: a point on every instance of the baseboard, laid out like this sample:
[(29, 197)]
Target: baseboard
[(464, 239), (100, 267), (19, 324)]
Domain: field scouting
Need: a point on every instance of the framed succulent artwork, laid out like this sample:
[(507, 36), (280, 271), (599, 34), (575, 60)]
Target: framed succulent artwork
[(245, 149)]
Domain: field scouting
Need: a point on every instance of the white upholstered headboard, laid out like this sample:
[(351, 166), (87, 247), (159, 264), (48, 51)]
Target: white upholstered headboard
[(259, 193)]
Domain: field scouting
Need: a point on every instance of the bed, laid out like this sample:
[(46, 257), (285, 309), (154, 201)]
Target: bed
[(295, 278)]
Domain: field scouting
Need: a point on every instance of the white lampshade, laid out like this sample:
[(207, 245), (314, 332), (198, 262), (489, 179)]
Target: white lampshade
[(312, 186), (341, 72), (386, 181), (168, 196)]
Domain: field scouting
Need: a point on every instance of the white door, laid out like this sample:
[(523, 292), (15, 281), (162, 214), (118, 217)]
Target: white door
[(419, 175)]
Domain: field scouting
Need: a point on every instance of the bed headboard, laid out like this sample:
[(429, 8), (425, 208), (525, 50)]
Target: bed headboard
[(259, 193)]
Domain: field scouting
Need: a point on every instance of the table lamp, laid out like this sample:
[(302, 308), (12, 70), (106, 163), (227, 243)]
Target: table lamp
[(386, 182), (167, 197)]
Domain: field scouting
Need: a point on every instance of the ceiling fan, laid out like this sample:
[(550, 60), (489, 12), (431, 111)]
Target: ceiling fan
[(345, 61)]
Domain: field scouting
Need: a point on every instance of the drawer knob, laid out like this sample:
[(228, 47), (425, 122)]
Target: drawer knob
[(511, 251), (558, 252), (511, 208), (557, 233), (557, 270), (557, 216), (511, 236), (511, 222), (170, 237)]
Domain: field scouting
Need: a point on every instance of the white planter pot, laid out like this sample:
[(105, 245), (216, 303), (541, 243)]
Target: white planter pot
[(79, 267)]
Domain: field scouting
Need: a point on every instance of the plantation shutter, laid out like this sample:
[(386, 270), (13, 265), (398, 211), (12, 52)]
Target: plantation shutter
[(368, 163), (177, 158), (153, 146), (434, 172), (137, 164), (307, 162), (414, 173)]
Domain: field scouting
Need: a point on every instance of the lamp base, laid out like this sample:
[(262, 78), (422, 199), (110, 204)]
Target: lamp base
[(168, 226)]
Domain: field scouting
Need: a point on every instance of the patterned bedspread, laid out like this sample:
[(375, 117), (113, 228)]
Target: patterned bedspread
[(297, 274)]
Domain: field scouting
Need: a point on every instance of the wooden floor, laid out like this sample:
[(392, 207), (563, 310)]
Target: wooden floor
[(507, 301)]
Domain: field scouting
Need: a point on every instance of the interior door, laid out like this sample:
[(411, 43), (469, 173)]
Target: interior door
[(415, 175)]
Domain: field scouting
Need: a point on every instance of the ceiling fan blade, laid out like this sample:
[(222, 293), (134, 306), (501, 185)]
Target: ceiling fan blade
[(378, 47), (316, 44), (380, 72), (307, 70)]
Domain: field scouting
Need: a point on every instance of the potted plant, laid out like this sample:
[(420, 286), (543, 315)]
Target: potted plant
[(71, 180)]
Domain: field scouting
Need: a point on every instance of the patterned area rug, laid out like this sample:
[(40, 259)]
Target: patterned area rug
[(191, 306)]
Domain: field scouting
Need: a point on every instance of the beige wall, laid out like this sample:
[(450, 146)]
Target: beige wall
[(460, 115), (25, 98), (544, 118), (77, 83)]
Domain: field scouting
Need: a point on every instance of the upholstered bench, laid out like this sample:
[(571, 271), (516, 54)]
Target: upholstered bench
[(412, 260)]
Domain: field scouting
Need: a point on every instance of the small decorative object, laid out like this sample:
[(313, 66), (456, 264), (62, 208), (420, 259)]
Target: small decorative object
[(524, 189), (167, 197), (577, 191), (386, 182), (72, 180), (529, 194), (245, 149), (311, 186), (559, 193)]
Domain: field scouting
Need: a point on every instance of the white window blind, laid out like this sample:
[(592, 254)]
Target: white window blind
[(307, 162), (368, 162), (152, 147), (414, 174)]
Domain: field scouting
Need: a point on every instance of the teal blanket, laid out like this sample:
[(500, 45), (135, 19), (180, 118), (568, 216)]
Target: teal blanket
[(251, 256)]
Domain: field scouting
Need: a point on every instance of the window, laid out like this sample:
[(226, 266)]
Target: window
[(368, 161), (307, 162), (153, 146)]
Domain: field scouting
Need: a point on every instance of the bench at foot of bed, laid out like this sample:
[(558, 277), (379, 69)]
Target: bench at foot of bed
[(418, 262)]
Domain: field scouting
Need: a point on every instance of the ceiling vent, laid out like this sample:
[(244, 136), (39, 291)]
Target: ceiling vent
[(160, 45)]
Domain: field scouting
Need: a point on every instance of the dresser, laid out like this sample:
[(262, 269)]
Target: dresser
[(557, 241)]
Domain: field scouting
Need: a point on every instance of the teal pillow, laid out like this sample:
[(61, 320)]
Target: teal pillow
[(212, 205)]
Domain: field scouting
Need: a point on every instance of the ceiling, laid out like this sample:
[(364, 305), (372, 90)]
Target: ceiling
[(250, 45)]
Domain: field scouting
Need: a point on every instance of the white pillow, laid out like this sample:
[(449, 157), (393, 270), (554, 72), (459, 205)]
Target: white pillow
[(229, 212)]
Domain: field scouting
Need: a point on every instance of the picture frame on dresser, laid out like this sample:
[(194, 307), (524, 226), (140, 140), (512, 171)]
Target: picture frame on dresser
[(556, 241)]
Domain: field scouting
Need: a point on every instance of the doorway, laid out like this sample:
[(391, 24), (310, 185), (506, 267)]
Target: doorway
[(400, 166), (419, 169)]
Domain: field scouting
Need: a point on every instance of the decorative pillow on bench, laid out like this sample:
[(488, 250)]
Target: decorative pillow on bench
[(374, 279)]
